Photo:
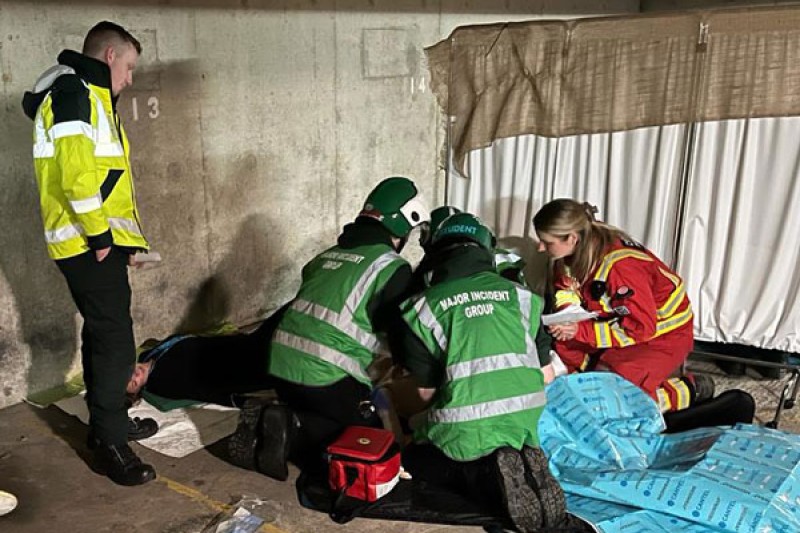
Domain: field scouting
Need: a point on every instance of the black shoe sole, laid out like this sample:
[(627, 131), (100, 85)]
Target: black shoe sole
[(145, 477), (242, 444), (520, 500), (272, 453), (546, 487)]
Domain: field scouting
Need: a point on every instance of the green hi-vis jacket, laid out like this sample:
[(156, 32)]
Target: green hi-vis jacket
[(326, 333), (482, 328), (80, 155)]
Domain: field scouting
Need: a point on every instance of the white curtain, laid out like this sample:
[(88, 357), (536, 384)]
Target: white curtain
[(740, 245), (633, 177)]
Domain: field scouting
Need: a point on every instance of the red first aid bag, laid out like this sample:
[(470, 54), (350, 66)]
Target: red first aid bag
[(364, 463)]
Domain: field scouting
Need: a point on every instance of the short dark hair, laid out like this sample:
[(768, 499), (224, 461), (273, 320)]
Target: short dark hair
[(105, 33)]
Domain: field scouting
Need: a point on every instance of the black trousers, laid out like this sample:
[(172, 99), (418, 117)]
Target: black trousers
[(476, 480), (103, 296), (727, 409), (324, 412)]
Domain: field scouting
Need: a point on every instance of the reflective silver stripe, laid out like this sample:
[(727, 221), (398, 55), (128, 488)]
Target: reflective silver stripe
[(674, 322), (674, 299), (64, 233), (525, 309), (503, 258), (602, 333), (125, 224), (42, 150), (42, 147), (86, 205), (365, 281), (108, 150), (491, 363), (428, 320), (345, 321), (103, 126), (324, 353), (480, 411), (613, 257), (320, 312), (605, 303), (106, 144), (73, 127), (620, 335)]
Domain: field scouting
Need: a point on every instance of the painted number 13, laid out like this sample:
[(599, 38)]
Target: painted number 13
[(152, 105)]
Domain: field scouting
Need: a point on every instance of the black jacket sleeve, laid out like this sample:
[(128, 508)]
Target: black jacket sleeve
[(384, 307), (411, 354)]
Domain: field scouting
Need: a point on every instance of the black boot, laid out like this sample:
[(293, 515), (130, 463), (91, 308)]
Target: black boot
[(546, 487), (278, 427), (122, 466), (138, 429), (703, 387), (243, 443), (519, 499), (141, 428)]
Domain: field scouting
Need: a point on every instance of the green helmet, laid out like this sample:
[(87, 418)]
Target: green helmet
[(397, 204), (465, 226), (438, 216)]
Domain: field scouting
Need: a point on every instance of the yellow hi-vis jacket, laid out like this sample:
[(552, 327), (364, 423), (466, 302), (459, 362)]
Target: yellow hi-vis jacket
[(80, 154)]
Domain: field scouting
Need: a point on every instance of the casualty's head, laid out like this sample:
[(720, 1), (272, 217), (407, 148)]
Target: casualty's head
[(438, 216), (398, 205), (463, 229), (116, 47), (138, 379)]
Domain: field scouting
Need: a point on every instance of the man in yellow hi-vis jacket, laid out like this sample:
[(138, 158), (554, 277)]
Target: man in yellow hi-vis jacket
[(92, 228)]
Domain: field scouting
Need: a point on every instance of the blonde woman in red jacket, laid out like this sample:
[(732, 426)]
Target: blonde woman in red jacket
[(643, 330)]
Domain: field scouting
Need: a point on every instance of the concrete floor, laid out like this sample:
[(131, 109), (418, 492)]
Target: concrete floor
[(42, 461)]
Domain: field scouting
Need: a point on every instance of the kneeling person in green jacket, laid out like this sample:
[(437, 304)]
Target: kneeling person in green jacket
[(335, 326), (470, 343)]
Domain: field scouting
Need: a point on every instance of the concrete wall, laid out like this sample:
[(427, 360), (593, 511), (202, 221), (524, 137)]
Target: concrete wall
[(257, 129)]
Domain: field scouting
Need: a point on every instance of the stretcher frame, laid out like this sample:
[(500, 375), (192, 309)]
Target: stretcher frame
[(790, 389)]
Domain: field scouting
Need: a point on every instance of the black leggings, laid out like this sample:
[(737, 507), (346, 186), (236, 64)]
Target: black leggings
[(729, 408)]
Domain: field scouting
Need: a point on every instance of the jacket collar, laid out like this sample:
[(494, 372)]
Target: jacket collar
[(88, 68), (364, 231)]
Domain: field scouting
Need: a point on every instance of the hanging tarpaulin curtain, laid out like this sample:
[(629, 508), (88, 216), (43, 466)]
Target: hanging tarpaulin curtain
[(557, 78), (650, 118), (740, 244)]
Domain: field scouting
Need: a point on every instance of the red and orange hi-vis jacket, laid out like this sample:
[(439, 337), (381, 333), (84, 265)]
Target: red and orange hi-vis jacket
[(636, 295)]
